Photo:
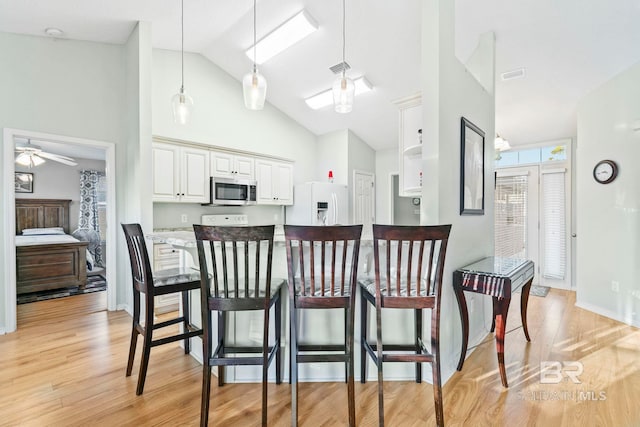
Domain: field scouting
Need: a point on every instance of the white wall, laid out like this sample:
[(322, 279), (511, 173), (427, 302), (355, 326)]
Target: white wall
[(62, 86), (608, 222), (134, 188), (137, 200), (53, 180), (332, 155), (361, 156), (169, 215), (449, 93)]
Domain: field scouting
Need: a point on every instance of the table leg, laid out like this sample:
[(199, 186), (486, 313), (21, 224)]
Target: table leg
[(524, 300), (501, 324), (464, 318), (494, 314)]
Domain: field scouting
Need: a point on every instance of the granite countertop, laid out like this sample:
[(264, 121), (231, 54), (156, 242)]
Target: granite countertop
[(185, 237)]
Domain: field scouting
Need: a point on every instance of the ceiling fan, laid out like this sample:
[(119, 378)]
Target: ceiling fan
[(31, 155)]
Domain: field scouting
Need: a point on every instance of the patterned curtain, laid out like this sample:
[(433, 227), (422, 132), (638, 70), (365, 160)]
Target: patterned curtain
[(89, 181)]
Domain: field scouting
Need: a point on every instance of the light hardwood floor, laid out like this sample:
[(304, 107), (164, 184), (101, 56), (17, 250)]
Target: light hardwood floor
[(65, 367)]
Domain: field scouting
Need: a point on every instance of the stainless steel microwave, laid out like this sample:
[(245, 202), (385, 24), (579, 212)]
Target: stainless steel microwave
[(232, 192)]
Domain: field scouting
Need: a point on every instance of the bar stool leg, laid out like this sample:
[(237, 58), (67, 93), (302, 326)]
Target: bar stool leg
[(418, 316)]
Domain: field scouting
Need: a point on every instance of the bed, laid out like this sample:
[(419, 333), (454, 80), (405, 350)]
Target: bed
[(47, 257)]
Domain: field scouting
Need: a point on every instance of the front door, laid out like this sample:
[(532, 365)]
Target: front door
[(516, 214)]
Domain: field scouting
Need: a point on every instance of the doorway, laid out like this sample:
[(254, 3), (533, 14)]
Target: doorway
[(9, 138), (546, 170), (402, 210)]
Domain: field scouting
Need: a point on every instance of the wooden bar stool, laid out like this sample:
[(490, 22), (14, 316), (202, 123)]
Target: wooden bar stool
[(235, 266), (152, 284), (408, 274), (322, 262)]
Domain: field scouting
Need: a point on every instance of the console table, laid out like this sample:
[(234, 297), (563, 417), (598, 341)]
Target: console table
[(499, 278)]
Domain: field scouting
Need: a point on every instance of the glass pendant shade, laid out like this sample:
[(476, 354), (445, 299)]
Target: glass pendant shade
[(182, 107), (29, 160), (343, 93), (254, 85), (254, 88), (181, 102)]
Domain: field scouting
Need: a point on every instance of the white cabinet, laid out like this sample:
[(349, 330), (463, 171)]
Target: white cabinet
[(230, 165), (180, 174), (410, 146), (166, 256), (275, 182)]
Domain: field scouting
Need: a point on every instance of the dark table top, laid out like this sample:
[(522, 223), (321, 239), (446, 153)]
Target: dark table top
[(495, 276)]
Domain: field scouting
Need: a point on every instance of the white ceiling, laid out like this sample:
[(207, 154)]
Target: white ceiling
[(75, 151), (567, 47)]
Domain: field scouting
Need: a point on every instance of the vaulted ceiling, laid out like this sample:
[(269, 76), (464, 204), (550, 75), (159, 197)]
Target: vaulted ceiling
[(567, 48)]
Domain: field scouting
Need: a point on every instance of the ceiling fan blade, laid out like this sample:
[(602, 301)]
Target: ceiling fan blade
[(26, 145), (54, 156), (58, 158)]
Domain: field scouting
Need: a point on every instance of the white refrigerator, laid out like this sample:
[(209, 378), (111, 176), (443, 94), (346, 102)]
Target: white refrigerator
[(318, 203)]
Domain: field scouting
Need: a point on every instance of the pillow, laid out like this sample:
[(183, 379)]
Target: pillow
[(41, 231)]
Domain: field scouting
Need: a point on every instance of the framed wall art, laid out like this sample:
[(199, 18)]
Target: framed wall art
[(471, 169), (23, 182)]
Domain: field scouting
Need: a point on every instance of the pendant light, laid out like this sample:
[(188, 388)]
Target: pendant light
[(254, 85), (343, 87), (182, 103)]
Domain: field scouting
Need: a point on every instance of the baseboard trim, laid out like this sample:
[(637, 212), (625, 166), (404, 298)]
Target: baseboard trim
[(607, 313)]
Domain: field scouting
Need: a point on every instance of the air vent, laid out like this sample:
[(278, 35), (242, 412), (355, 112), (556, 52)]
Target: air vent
[(513, 74), (337, 69)]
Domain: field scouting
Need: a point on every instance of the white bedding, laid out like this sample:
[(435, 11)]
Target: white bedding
[(44, 239)]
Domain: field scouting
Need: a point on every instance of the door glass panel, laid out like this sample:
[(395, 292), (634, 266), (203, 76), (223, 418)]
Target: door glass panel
[(511, 201), (553, 224), (506, 158), (554, 153), (529, 156)]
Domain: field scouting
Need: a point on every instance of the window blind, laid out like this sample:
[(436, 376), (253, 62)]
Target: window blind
[(511, 216), (553, 224)]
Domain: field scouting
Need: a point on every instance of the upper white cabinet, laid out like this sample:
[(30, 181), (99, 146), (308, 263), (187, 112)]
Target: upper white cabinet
[(410, 145), (275, 182), (230, 165), (180, 174)]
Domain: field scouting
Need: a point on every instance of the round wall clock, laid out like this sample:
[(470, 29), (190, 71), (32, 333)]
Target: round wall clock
[(605, 171)]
